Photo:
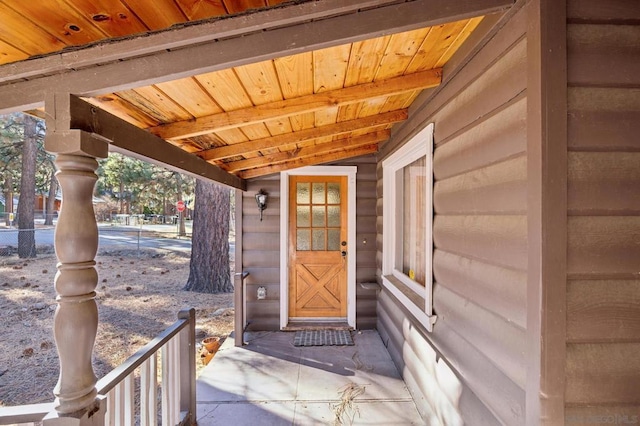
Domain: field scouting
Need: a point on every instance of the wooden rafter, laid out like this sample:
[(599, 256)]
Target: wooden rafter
[(309, 161), (310, 151), (293, 34), (133, 141), (271, 102), (287, 139), (300, 105)]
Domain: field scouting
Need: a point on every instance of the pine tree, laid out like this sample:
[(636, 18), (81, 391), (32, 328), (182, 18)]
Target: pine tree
[(209, 268), (27, 200)]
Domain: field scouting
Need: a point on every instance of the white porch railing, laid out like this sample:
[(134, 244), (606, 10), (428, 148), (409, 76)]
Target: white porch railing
[(177, 385)]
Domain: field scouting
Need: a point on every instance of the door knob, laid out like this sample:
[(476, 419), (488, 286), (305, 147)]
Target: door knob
[(343, 253)]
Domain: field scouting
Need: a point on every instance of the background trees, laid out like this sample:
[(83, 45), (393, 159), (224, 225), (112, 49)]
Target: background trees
[(131, 186), (142, 188), (12, 140), (27, 169)]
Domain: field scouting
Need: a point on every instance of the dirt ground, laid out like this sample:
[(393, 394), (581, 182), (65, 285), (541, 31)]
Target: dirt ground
[(138, 296)]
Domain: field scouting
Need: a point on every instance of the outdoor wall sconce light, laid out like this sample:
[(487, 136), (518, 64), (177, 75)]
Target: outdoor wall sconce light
[(261, 200)]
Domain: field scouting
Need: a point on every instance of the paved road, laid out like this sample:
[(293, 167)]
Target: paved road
[(119, 237), (116, 238)]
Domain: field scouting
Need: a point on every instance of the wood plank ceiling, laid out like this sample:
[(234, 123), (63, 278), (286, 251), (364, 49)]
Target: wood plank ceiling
[(257, 119)]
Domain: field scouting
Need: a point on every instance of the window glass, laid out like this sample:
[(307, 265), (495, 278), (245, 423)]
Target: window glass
[(303, 216), (304, 239), (333, 193), (333, 240), (414, 219), (318, 193), (319, 216), (302, 193), (333, 213), (319, 241)]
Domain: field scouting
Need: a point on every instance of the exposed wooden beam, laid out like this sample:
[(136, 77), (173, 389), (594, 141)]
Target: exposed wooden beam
[(135, 142), (310, 151), (285, 139), (292, 33), (300, 105), (310, 161)]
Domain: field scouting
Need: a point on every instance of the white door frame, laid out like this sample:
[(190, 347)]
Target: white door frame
[(350, 173)]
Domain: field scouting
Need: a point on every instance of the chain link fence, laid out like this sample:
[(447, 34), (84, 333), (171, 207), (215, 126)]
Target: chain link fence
[(160, 238), (9, 237), (112, 238)]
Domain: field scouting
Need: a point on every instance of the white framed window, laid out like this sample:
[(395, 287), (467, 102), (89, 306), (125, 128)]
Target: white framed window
[(407, 225)]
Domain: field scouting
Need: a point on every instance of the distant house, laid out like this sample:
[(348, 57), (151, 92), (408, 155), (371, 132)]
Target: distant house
[(41, 203)]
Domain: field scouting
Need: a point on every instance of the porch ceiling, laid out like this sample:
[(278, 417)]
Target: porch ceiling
[(261, 117)]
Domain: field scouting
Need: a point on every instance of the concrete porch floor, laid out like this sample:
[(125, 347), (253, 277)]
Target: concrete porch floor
[(271, 382)]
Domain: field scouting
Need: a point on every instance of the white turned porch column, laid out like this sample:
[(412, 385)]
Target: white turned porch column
[(76, 244)]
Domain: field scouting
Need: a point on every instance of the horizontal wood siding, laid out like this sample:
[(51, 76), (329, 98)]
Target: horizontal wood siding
[(603, 289), (261, 248), (603, 119), (463, 402), (366, 315), (261, 254), (480, 241)]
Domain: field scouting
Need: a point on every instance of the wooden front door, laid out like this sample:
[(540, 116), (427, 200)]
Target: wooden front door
[(318, 247)]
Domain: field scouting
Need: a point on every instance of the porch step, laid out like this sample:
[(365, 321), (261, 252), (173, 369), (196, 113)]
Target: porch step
[(299, 326)]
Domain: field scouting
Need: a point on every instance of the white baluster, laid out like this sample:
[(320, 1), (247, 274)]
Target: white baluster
[(110, 419), (118, 412), (166, 386), (129, 400), (148, 392), (175, 370)]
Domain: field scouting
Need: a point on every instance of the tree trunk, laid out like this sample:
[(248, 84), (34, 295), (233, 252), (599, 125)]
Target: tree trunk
[(209, 268), (51, 201), (121, 196), (27, 200), (181, 230), (8, 198)]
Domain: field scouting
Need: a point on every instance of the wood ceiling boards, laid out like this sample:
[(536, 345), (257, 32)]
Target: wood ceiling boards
[(256, 119)]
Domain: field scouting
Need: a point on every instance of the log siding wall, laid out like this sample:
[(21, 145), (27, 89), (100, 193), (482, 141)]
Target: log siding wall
[(261, 248), (603, 288), (475, 356), (472, 368), (261, 254)]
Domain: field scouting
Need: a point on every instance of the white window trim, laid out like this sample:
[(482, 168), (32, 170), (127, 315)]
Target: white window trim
[(395, 281), (350, 173)]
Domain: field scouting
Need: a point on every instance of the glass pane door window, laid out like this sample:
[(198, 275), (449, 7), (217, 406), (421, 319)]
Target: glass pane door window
[(318, 216)]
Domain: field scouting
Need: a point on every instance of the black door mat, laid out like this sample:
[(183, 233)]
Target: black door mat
[(323, 338)]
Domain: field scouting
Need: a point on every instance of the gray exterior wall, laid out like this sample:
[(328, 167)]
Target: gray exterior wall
[(603, 289), (480, 243), (260, 254), (481, 232), (260, 248), (473, 367)]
